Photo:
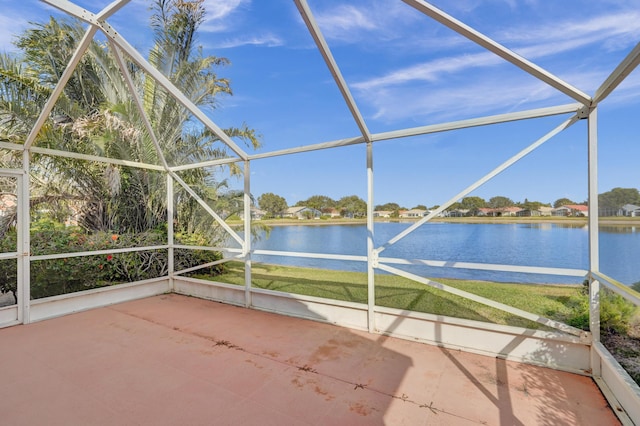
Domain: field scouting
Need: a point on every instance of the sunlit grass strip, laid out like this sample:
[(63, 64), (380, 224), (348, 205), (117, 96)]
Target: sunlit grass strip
[(485, 301), (557, 302)]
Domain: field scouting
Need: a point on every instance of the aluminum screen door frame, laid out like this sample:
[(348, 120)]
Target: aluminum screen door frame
[(19, 311)]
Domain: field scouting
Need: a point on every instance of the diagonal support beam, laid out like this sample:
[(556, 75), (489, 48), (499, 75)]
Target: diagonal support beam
[(618, 75), (57, 91), (321, 43), (500, 50), (478, 122), (502, 167), (158, 148), (112, 8), (136, 57), (207, 208), (139, 106), (487, 302)]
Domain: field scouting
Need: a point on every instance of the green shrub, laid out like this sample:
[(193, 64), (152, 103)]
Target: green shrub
[(184, 259), (66, 275), (616, 313)]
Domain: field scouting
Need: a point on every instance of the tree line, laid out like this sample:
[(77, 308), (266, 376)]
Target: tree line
[(274, 205)]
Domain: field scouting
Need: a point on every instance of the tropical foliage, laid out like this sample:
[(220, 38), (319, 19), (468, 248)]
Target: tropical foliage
[(96, 115)]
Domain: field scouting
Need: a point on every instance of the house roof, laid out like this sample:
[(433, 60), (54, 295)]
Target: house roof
[(630, 207), (510, 209), (414, 211), (294, 210), (578, 207)]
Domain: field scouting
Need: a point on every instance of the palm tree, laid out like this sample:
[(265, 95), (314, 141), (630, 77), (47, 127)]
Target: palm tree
[(96, 115)]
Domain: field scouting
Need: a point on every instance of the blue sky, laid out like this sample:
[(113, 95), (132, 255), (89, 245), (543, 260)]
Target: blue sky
[(405, 70)]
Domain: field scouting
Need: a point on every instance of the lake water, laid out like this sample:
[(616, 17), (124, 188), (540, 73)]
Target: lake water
[(545, 244)]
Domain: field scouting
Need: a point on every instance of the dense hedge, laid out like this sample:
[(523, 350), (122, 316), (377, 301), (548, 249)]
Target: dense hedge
[(67, 275)]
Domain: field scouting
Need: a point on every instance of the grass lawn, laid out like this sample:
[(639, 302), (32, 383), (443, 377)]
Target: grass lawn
[(552, 301)]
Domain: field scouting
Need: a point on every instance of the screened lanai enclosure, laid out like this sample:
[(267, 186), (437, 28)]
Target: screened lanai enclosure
[(118, 183)]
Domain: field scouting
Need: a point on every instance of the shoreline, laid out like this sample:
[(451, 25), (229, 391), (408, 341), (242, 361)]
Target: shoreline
[(557, 220)]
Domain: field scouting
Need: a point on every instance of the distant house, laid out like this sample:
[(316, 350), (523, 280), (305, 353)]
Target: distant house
[(630, 210), (458, 212), (542, 211), (382, 213), (331, 213), (257, 214), (528, 213), (302, 212), (508, 211), (499, 211), (575, 210), (413, 213), (545, 211)]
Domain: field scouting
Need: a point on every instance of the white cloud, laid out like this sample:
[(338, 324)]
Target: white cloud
[(430, 71), (219, 14), (482, 95), (468, 82), (269, 40), (365, 20), (344, 19), (581, 32), (11, 26), (473, 99)]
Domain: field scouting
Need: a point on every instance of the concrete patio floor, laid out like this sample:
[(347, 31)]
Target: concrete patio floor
[(175, 360)]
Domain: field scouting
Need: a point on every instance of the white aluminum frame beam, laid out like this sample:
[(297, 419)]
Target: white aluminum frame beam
[(137, 58), (96, 158), (323, 47), (617, 287), (97, 252), (325, 256), (138, 102), (156, 143), (308, 148), (19, 253), (501, 51), (207, 265), (566, 272), (594, 227), (203, 164), (246, 246), (24, 243), (488, 302), (479, 122), (371, 253), (417, 131), (502, 167), (112, 8), (171, 241), (62, 82), (618, 75)]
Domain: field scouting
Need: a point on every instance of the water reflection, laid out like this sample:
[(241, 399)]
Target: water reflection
[(530, 244), (620, 229), (550, 226), (613, 229)]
